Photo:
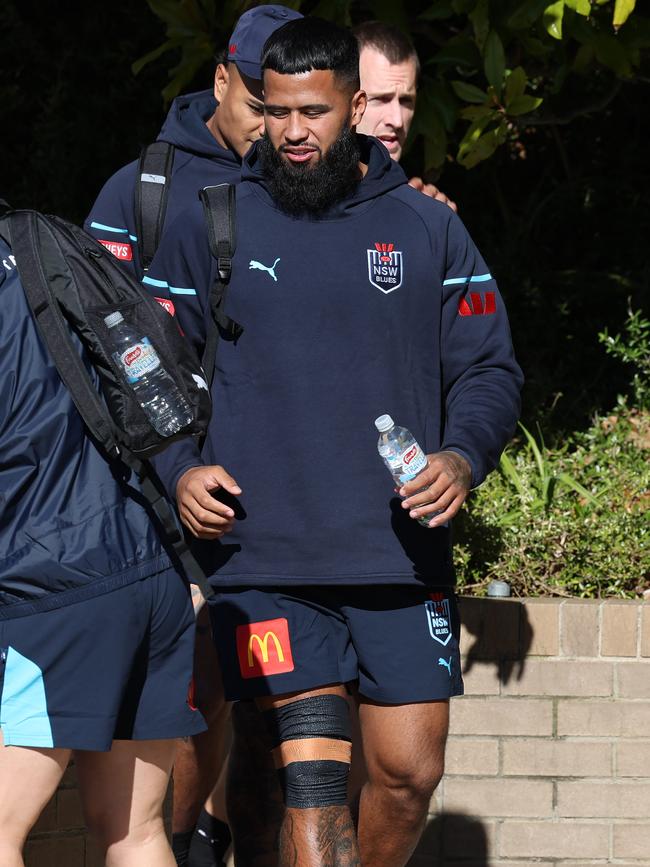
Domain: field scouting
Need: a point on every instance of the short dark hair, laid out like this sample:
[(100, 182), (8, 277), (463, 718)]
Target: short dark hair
[(306, 44), (389, 41)]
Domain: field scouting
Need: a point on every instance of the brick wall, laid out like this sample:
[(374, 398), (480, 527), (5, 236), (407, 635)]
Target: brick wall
[(548, 760)]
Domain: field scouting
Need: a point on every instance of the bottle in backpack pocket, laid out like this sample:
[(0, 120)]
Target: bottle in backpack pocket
[(401, 453), (157, 393)]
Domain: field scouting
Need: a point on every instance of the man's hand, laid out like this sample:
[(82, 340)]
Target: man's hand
[(203, 515), (432, 191), (446, 482)]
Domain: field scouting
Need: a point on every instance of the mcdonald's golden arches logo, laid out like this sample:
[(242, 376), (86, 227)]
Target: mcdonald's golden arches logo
[(264, 648)]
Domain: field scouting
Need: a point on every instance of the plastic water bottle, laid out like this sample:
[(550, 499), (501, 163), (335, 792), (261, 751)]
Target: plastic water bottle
[(401, 453), (156, 391)]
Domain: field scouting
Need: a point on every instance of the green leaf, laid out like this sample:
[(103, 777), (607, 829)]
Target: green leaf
[(435, 144), (484, 147), (469, 92), (481, 23), (437, 12), (462, 6), (622, 11), (459, 51), (510, 472), (495, 61), (474, 112), (582, 7), (437, 96), (515, 84), (612, 54), (141, 62), (553, 15), (584, 58), (570, 482), (523, 105), (525, 14)]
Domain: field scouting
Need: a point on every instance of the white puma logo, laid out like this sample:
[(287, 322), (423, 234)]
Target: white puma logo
[(446, 664), (257, 266)]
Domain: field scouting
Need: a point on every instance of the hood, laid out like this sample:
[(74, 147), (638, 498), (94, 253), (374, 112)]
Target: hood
[(383, 174), (185, 127)]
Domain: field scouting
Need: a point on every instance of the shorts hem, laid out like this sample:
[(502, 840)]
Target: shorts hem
[(384, 697), (265, 692), (17, 740)]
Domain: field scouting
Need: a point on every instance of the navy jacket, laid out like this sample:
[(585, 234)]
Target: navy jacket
[(383, 305), (70, 527), (198, 162)]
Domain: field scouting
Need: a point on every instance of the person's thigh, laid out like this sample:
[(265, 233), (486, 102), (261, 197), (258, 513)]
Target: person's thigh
[(29, 777), (280, 641), (122, 791), (404, 744)]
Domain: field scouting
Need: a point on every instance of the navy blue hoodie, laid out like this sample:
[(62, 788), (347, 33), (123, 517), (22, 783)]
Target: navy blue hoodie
[(199, 161), (382, 305), (71, 527)]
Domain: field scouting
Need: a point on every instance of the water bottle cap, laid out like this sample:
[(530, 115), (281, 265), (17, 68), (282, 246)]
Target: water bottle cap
[(113, 318), (384, 423)]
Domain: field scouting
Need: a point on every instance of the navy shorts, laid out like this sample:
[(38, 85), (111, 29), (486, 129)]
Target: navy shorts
[(399, 643), (117, 666)]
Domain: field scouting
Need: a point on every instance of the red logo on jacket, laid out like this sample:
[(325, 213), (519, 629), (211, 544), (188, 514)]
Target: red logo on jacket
[(120, 251), (478, 305)]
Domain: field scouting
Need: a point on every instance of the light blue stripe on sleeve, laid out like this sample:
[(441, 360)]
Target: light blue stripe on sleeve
[(163, 284), (477, 278), (23, 705), (110, 229), (160, 284)]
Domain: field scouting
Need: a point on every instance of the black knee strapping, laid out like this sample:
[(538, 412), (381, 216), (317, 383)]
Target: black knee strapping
[(318, 782)]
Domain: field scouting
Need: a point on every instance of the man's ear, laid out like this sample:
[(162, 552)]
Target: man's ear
[(358, 105), (221, 81)]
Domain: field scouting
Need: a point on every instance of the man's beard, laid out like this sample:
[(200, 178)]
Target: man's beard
[(300, 188)]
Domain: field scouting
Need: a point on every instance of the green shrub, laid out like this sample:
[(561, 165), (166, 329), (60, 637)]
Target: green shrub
[(569, 522)]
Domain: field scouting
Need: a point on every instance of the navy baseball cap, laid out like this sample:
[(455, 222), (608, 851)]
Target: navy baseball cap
[(251, 32)]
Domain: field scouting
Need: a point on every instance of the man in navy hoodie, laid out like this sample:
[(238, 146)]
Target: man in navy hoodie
[(210, 131), (357, 296)]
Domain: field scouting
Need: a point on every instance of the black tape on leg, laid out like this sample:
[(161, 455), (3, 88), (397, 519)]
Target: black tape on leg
[(320, 716), (317, 782)]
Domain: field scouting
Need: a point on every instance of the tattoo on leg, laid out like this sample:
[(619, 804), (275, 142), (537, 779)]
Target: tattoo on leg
[(324, 837)]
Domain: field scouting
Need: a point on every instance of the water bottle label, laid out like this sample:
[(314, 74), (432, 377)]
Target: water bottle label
[(139, 359), (409, 463)]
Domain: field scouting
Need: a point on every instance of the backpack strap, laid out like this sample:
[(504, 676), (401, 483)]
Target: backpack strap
[(151, 193), (42, 269), (153, 492), (219, 210)]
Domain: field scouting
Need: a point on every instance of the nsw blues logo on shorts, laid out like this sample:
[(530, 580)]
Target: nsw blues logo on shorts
[(439, 618), (385, 267)]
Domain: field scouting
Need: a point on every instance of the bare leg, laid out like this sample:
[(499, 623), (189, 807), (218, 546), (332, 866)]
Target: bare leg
[(254, 798), (28, 779), (122, 792), (199, 760), (404, 747), (320, 836)]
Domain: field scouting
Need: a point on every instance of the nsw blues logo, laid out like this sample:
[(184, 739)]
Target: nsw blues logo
[(439, 618), (385, 270)]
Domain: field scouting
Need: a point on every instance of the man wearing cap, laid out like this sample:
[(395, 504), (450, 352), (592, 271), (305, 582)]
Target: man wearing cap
[(210, 132)]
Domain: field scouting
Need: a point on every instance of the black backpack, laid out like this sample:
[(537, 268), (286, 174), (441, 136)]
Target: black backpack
[(154, 177), (72, 283)]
